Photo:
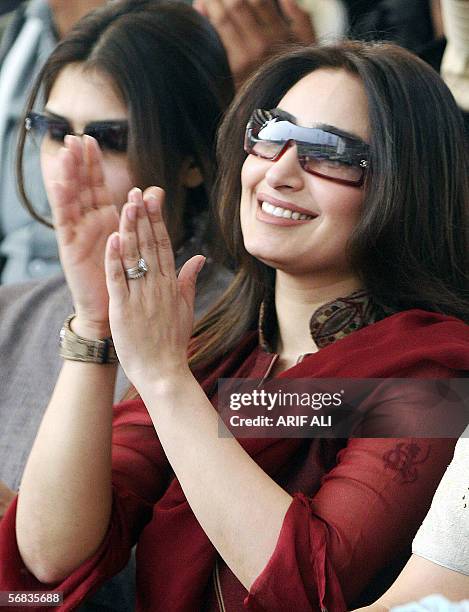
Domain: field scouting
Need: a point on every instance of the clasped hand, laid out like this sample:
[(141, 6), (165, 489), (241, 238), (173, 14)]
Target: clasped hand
[(150, 318)]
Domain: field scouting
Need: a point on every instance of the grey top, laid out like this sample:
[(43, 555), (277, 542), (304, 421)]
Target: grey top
[(31, 315), (444, 535)]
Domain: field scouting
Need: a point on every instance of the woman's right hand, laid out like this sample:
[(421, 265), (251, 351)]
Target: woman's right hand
[(84, 216)]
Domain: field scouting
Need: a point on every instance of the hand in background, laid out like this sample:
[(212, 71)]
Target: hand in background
[(252, 30), (6, 497), (84, 217)]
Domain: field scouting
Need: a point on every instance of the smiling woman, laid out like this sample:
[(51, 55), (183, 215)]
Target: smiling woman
[(273, 524), (332, 206)]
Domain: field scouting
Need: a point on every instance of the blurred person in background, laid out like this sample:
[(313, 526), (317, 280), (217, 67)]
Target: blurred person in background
[(27, 249), (7, 13)]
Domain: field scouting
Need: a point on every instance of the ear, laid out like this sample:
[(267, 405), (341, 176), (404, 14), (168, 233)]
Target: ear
[(190, 174)]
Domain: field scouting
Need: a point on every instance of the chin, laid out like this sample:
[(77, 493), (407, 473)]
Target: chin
[(268, 258)]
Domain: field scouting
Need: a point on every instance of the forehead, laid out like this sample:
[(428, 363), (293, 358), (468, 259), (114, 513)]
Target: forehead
[(83, 96), (330, 96)]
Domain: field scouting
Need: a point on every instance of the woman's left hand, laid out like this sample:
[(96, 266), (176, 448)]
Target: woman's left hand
[(151, 317)]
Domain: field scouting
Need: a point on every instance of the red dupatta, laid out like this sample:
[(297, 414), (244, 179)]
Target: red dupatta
[(175, 559), (409, 344)]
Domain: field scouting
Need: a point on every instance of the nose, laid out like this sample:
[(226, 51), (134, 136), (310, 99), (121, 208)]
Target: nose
[(286, 171)]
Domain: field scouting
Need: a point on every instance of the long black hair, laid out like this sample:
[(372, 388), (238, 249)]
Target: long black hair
[(411, 244)]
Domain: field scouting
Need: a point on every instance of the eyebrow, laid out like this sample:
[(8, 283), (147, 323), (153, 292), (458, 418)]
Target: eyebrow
[(94, 122), (55, 116), (321, 126)]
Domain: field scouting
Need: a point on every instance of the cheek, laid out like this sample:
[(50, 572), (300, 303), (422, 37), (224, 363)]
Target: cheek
[(116, 176), (50, 170), (247, 171), (341, 205), (253, 171)]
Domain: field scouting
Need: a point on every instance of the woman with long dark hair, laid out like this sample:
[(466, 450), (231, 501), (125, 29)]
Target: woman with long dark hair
[(346, 212), (134, 76)]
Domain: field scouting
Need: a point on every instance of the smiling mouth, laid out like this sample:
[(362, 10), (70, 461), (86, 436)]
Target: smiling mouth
[(285, 213)]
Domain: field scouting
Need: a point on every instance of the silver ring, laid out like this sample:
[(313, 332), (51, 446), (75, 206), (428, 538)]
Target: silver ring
[(137, 271)]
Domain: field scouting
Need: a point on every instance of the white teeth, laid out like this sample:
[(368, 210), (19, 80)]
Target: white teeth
[(286, 213)]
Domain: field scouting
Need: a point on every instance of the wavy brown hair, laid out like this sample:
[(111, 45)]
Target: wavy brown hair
[(411, 245)]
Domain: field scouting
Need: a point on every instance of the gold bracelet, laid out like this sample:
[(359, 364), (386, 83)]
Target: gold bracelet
[(76, 348)]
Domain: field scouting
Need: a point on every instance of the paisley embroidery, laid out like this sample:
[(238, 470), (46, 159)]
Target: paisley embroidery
[(404, 459), (337, 319), (329, 322)]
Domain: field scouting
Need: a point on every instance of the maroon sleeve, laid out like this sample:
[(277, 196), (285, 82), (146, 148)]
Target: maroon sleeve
[(364, 515), (140, 476)]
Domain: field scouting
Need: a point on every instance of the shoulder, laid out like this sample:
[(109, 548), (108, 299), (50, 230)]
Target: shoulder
[(419, 327), (431, 332), (420, 339), (50, 290), (461, 454), (416, 319), (408, 344)]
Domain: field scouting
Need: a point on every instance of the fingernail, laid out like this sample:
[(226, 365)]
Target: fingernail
[(135, 194), (201, 264), (131, 212), (152, 203)]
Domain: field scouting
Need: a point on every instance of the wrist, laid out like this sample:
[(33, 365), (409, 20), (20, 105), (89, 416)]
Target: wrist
[(168, 384), (87, 343), (89, 329)]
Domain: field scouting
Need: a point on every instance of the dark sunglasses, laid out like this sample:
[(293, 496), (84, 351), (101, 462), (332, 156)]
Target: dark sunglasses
[(322, 151), (110, 135)]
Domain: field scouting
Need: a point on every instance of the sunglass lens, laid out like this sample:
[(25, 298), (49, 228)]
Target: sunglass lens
[(109, 137), (45, 130), (57, 130), (333, 169), (267, 149)]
